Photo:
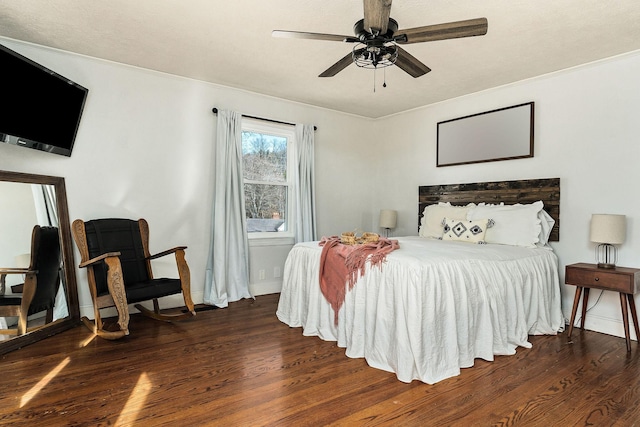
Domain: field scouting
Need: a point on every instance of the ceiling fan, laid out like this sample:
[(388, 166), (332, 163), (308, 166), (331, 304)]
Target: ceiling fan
[(377, 38)]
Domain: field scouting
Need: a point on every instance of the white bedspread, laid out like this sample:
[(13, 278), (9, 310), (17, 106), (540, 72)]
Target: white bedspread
[(434, 306)]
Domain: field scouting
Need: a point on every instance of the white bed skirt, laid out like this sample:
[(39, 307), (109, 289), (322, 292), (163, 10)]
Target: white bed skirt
[(432, 308)]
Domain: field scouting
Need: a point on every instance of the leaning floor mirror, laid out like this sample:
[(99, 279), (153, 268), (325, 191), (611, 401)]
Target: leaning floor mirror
[(36, 260)]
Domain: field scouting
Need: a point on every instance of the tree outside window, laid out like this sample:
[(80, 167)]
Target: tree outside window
[(266, 181)]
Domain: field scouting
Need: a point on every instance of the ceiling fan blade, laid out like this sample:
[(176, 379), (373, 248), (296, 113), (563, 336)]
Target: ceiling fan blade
[(376, 15), (341, 64), (410, 64), (310, 36), (450, 30)]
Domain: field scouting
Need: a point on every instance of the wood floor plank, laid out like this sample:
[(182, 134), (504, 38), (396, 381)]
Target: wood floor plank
[(241, 366)]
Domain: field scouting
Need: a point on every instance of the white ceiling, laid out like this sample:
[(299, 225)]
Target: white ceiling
[(229, 43)]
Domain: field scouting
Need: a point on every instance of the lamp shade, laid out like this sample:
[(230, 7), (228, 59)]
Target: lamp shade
[(388, 218), (23, 260), (608, 228)]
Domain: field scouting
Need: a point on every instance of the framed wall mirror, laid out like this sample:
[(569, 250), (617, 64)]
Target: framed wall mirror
[(503, 134), (28, 201)]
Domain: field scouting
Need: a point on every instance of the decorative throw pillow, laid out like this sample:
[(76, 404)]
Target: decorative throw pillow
[(463, 230), (433, 216)]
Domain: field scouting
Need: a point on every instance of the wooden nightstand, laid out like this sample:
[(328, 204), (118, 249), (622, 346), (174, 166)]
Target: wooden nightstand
[(626, 281)]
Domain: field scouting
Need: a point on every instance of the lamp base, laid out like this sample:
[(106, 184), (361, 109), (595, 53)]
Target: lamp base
[(606, 255), (606, 265)]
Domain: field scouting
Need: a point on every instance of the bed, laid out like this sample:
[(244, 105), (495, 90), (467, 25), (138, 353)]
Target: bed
[(437, 305)]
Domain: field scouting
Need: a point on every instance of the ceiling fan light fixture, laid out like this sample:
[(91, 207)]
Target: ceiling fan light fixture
[(373, 57)]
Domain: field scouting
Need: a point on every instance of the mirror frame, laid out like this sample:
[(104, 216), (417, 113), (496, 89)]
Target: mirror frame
[(73, 319)]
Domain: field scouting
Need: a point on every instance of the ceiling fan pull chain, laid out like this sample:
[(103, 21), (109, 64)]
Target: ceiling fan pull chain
[(374, 79), (384, 80)]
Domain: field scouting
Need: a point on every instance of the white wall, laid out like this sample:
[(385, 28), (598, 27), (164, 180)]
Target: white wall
[(144, 149), (17, 218), (586, 133)]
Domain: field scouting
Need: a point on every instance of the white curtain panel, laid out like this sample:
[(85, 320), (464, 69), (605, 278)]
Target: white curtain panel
[(44, 197), (227, 274), (305, 224)]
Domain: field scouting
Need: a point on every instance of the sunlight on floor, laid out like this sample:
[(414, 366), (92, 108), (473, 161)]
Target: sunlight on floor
[(87, 341), (136, 401), (43, 382)]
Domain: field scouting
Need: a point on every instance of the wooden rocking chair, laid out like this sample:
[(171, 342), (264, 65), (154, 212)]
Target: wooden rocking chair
[(116, 254), (42, 279)]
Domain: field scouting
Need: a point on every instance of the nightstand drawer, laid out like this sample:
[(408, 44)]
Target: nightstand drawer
[(602, 279)]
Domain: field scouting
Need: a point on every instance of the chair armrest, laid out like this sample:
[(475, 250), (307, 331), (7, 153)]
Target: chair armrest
[(16, 271), (98, 259), (11, 270), (167, 252)]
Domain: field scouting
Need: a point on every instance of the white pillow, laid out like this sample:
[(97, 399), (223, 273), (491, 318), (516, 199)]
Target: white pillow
[(516, 225), (546, 225), (431, 223), (463, 230)]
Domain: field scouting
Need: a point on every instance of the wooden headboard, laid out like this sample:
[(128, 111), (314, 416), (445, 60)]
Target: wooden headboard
[(509, 192)]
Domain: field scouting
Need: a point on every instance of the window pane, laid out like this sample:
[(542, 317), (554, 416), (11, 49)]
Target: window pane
[(264, 157), (266, 207)]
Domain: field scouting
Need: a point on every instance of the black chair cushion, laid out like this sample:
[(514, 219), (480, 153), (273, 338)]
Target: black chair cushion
[(117, 235), (123, 235), (48, 263), (156, 288), (8, 301)]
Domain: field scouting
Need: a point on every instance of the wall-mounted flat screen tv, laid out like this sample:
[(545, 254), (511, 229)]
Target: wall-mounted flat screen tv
[(39, 108)]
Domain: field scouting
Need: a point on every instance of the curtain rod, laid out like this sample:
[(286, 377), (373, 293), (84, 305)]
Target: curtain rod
[(215, 111)]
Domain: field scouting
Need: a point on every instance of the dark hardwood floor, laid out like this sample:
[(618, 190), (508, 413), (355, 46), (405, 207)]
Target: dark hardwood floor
[(241, 366)]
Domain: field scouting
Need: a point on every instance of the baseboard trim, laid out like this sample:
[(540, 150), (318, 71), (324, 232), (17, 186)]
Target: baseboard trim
[(605, 325), (265, 288)]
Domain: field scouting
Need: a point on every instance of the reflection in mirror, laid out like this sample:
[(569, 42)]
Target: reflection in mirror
[(36, 262), (32, 204)]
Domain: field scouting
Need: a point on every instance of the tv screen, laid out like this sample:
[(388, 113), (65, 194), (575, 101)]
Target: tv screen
[(40, 109)]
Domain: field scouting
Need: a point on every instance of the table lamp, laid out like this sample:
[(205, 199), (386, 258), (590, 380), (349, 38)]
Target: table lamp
[(388, 219), (607, 230)]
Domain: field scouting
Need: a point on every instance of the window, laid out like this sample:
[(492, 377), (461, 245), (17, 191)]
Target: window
[(267, 156)]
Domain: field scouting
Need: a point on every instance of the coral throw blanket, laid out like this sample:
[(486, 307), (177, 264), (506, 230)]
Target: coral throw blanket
[(342, 265)]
